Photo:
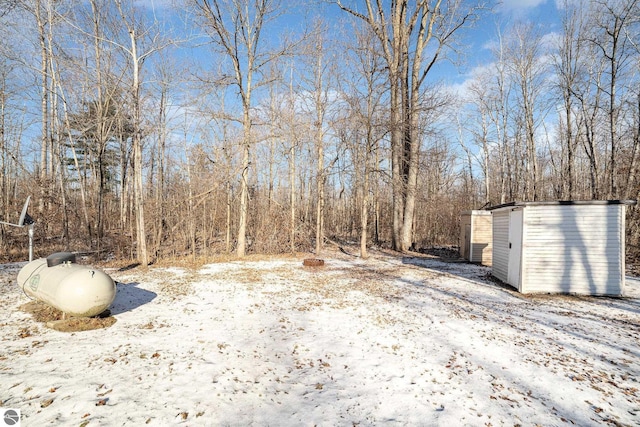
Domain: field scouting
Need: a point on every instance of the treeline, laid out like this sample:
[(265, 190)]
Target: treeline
[(213, 126)]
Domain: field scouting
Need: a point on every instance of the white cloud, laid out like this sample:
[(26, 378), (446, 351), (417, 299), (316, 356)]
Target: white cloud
[(551, 40), (515, 5), (463, 88), (519, 9), (560, 4)]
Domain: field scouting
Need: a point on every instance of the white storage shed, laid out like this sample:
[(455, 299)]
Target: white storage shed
[(571, 247), (476, 236)]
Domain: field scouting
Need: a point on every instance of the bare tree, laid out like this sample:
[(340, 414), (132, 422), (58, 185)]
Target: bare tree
[(106, 108), (236, 26), (482, 96), (138, 32), (10, 118), (614, 34), (362, 127), (587, 90), (6, 160), (500, 121), (412, 38), (567, 64), (589, 96), (92, 121), (291, 132), (633, 103), (43, 22), (316, 88), (529, 73), (165, 81)]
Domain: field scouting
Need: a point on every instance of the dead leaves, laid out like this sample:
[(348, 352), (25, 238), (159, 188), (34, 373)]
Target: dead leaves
[(148, 325), (46, 402), (102, 402), (25, 332)]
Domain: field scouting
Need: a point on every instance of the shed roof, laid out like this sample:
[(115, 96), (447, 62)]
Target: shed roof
[(564, 202), (476, 212)]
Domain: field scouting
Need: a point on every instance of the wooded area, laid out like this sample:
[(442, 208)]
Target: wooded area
[(154, 130)]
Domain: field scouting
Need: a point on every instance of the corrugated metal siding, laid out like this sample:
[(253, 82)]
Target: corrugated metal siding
[(500, 246), (573, 249), (481, 239)]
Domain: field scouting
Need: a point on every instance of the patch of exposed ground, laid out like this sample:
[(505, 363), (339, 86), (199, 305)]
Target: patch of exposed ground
[(55, 319)]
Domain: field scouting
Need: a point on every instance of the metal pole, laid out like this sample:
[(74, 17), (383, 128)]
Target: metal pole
[(30, 242)]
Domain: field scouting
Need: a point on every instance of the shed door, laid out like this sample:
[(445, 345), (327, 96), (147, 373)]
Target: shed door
[(515, 248)]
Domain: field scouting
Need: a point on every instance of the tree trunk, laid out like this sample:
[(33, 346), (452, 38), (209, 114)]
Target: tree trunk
[(244, 201), (364, 209), (44, 104), (320, 193), (292, 197), (138, 187)]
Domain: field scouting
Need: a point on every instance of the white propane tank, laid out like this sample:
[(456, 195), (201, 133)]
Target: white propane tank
[(74, 289)]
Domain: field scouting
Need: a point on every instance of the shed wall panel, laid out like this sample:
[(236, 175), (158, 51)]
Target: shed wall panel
[(465, 230), (481, 239), (476, 236), (573, 249), (500, 247)]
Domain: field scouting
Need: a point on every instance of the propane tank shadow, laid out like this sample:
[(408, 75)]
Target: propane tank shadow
[(129, 297)]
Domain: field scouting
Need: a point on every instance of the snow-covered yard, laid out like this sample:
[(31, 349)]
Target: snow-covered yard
[(383, 341)]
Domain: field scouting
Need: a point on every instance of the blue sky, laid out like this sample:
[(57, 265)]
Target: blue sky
[(544, 13), (476, 43)]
